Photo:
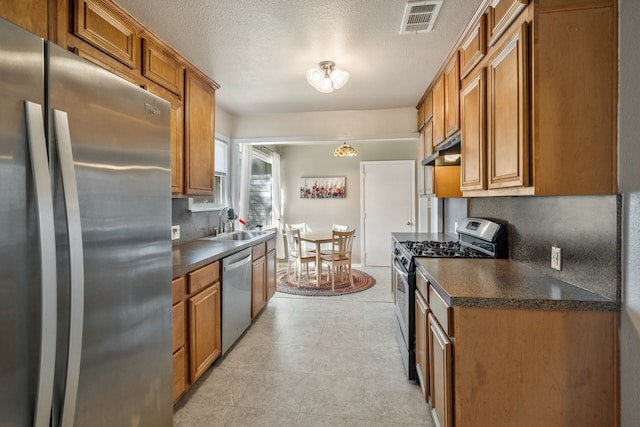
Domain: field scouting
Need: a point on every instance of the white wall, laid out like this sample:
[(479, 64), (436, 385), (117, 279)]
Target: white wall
[(629, 186), (224, 122), (397, 123), (316, 160)]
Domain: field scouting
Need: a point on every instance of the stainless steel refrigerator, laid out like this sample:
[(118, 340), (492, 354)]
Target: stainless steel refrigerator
[(85, 246)]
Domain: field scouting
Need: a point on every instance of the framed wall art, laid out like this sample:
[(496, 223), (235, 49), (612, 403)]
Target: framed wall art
[(323, 188)]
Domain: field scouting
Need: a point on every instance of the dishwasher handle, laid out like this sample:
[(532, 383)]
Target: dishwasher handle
[(237, 264)]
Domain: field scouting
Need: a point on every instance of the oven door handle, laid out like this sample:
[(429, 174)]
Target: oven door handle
[(400, 269)]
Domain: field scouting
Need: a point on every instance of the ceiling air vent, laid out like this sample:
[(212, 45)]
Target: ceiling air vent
[(419, 16)]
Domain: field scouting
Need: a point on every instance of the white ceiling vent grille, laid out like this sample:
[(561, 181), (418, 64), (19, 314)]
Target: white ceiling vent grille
[(419, 16)]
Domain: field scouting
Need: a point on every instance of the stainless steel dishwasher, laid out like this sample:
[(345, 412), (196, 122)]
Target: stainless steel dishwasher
[(236, 296)]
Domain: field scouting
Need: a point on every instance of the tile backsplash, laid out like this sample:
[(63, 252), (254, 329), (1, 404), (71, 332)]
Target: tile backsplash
[(587, 228), (193, 225)]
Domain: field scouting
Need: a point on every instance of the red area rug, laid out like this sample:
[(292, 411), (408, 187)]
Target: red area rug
[(308, 287)]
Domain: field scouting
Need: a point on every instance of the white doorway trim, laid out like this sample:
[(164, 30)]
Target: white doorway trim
[(408, 221)]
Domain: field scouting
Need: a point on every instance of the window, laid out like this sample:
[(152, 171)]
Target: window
[(220, 197), (260, 197)]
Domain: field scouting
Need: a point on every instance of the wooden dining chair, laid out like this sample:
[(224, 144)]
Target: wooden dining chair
[(340, 255), (306, 247), (297, 255)]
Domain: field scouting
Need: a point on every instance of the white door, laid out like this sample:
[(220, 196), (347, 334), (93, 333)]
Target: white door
[(387, 205)]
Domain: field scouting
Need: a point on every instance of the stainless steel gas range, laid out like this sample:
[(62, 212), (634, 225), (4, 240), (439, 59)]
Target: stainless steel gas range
[(477, 238)]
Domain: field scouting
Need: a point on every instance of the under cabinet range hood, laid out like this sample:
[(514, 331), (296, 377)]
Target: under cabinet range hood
[(446, 154)]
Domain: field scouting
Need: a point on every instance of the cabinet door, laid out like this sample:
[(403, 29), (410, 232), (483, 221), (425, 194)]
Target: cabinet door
[(199, 134), (177, 149), (258, 284), (204, 330), (428, 107), (161, 67), (98, 23), (438, 111), (31, 15), (473, 145), (271, 274), (508, 114), (474, 47), (451, 98), (501, 14), (440, 374), (179, 316), (179, 374), (422, 358)]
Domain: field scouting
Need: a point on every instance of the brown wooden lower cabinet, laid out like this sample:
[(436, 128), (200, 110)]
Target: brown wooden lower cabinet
[(516, 367), (196, 325), (422, 349), (504, 367), (439, 374), (271, 273), (179, 316), (263, 281), (258, 285), (205, 343), (179, 373)]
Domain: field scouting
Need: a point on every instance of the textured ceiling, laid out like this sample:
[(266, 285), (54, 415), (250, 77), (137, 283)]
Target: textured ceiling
[(258, 51)]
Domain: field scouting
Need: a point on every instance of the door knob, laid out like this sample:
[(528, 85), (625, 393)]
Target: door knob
[(408, 222)]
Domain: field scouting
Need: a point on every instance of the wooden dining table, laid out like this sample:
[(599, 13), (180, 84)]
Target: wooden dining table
[(319, 238)]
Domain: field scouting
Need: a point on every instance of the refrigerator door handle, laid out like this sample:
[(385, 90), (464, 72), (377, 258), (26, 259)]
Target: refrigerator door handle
[(76, 264), (44, 205)]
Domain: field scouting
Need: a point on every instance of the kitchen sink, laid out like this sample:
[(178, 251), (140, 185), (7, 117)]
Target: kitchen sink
[(237, 235)]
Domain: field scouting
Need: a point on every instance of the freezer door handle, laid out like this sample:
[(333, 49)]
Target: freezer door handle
[(76, 264), (44, 206)]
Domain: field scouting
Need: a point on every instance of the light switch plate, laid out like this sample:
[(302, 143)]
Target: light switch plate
[(556, 258), (175, 232)]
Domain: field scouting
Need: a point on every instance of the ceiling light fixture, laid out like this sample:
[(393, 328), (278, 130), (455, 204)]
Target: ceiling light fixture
[(345, 150), (327, 78)]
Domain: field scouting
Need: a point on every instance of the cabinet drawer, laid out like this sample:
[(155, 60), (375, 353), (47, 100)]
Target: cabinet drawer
[(423, 286), (179, 314), (474, 48), (271, 245), (179, 374), (100, 26), (501, 14), (162, 68), (258, 251), (178, 289), (440, 310), (203, 277)]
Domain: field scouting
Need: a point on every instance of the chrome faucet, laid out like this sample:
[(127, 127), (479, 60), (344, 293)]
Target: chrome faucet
[(226, 225)]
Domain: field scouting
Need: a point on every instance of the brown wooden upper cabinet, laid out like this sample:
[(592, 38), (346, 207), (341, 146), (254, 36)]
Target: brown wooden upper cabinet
[(474, 130), (451, 96), (425, 110), (437, 91), (508, 113), (199, 134), (501, 14), (97, 23), (161, 67), (474, 47), (31, 15)]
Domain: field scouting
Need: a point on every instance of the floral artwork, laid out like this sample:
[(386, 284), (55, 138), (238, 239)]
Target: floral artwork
[(322, 188)]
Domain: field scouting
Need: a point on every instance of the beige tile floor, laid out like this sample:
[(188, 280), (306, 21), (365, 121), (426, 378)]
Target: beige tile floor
[(311, 361)]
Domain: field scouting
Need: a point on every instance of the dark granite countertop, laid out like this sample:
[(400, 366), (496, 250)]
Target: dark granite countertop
[(501, 283), (190, 256)]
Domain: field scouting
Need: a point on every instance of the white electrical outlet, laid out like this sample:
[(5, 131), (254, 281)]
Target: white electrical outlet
[(556, 258), (175, 232)]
